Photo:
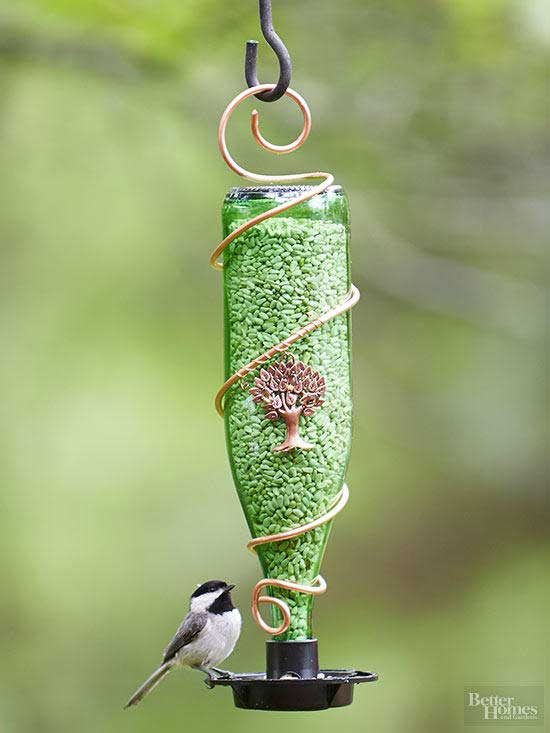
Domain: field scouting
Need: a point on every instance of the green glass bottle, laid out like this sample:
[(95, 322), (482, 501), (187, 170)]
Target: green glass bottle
[(289, 439)]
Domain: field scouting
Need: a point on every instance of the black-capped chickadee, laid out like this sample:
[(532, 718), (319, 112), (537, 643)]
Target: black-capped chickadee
[(205, 638)]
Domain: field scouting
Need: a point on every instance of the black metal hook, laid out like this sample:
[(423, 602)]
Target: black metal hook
[(251, 58)]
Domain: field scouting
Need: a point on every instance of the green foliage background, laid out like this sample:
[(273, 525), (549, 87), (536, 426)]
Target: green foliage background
[(116, 492)]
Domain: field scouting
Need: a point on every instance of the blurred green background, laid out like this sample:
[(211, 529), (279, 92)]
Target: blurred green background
[(117, 496)]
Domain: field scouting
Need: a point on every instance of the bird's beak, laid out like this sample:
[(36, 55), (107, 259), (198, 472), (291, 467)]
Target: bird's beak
[(230, 587)]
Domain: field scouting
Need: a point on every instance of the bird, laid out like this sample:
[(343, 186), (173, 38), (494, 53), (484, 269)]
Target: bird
[(206, 636)]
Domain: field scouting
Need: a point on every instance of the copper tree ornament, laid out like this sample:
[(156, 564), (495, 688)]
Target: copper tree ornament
[(289, 389)]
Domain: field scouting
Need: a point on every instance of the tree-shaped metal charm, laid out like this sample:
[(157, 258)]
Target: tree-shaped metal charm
[(288, 390)]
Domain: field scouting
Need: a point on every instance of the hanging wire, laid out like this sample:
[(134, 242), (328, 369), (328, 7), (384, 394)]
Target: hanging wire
[(281, 51)]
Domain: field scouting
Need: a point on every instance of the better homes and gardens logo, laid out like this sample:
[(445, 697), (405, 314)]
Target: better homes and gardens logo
[(513, 704)]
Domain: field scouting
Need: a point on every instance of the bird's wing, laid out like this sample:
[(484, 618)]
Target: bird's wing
[(190, 628)]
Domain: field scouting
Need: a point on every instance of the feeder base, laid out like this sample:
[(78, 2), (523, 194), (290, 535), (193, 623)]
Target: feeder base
[(332, 689), (293, 680)]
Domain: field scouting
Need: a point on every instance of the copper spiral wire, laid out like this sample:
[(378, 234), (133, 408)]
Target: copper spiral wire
[(350, 300), (319, 585), (339, 503)]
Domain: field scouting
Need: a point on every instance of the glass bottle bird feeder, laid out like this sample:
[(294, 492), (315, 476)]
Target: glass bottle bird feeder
[(287, 397), (289, 430)]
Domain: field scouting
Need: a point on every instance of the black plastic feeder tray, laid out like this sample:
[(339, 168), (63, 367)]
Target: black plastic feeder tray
[(293, 681)]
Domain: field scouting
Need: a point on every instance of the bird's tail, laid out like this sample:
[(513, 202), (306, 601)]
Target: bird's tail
[(150, 683)]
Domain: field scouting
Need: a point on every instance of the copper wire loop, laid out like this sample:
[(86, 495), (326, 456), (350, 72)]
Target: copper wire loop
[(339, 503), (319, 585)]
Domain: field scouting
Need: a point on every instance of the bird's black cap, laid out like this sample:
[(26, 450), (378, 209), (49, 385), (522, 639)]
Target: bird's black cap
[(211, 586)]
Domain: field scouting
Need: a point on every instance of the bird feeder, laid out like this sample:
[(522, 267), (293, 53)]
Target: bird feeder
[(287, 401)]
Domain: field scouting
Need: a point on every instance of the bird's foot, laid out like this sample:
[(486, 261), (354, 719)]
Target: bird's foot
[(208, 672), (213, 673)]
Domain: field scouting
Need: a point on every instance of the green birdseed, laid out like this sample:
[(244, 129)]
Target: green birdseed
[(277, 276)]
